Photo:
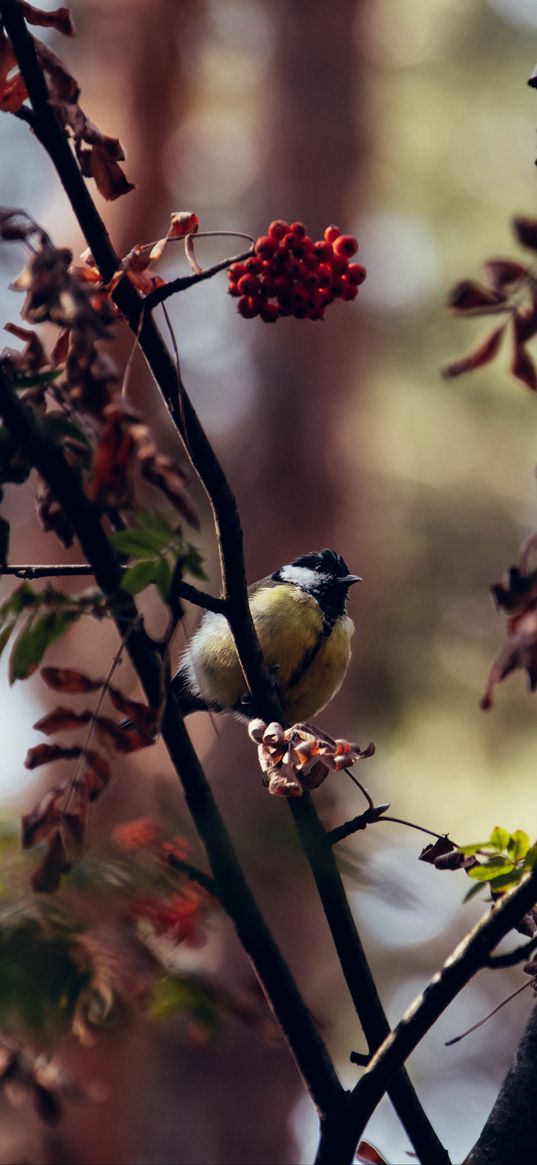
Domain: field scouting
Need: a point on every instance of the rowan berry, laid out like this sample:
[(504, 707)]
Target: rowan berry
[(349, 291), (248, 307), (270, 312), (278, 228), (254, 265), (298, 229), (356, 273), (266, 246), (324, 251), (249, 284), (331, 234), (346, 246)]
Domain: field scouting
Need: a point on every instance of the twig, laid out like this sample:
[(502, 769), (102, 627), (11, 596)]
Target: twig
[(184, 590), (370, 817), (511, 958), (160, 294)]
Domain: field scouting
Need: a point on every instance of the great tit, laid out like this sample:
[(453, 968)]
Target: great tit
[(299, 614)]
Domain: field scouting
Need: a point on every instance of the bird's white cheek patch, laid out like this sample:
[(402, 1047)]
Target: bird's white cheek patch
[(301, 576)]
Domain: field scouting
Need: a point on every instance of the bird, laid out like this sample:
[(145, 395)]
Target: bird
[(300, 616)]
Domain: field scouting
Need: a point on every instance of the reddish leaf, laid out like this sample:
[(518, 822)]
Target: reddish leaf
[(367, 1154), (523, 367), (44, 754), (143, 718), (60, 350), (525, 323), (58, 18), (502, 272), (526, 231), (67, 679), (33, 356), (96, 776), (46, 876), (478, 357), (13, 90), (113, 736), (62, 84), (168, 476), (472, 296), (109, 177), (44, 818), (61, 720)]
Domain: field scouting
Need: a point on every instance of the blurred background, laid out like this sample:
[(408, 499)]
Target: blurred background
[(409, 124)]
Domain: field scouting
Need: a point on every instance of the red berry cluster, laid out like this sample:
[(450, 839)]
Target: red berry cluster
[(291, 275)]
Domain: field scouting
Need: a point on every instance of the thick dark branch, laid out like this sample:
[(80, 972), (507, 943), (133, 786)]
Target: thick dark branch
[(295, 1021), (509, 1136), (467, 959), (360, 982)]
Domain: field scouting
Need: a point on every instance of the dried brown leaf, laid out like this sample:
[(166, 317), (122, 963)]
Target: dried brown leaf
[(112, 736), (44, 818), (476, 358), (58, 18), (47, 875), (143, 718), (68, 679), (44, 754), (62, 720), (523, 367), (469, 295), (525, 229)]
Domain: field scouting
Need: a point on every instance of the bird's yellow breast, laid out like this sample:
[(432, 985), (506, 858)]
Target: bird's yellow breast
[(289, 623)]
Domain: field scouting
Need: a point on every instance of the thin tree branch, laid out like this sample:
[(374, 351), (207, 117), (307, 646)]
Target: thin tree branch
[(511, 958), (466, 960), (160, 294), (295, 1021), (195, 875), (184, 590)]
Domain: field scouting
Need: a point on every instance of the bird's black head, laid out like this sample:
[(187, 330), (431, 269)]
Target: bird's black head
[(325, 575)]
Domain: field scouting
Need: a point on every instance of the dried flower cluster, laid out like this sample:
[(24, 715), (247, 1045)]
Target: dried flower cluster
[(298, 758)]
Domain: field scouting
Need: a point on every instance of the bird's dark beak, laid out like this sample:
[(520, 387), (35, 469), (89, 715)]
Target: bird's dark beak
[(349, 579)]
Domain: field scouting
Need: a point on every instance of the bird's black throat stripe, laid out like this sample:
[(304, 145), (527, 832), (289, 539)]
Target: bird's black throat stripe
[(311, 653)]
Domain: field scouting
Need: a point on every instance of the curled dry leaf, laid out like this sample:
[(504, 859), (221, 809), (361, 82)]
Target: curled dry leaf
[(58, 18), (502, 273), (183, 222), (297, 758)]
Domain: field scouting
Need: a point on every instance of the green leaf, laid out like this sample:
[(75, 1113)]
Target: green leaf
[(473, 848), (32, 641), (506, 881), (173, 996), (138, 543), (530, 858), (473, 891), (154, 523), (5, 634), (163, 578), (193, 562), (139, 576), (490, 869), (519, 844), (499, 838), (36, 379)]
